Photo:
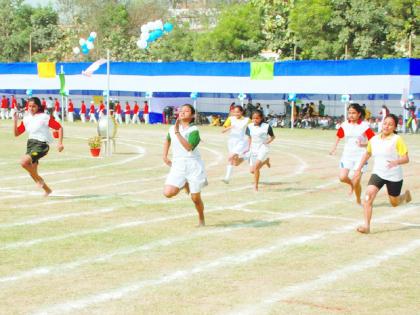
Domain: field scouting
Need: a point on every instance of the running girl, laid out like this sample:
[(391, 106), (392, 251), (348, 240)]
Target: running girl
[(260, 135), (37, 124), (238, 142), (187, 168), (390, 152), (356, 133)]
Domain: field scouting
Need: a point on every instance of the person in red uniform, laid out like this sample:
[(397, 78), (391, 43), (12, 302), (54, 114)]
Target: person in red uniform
[(4, 113), (92, 117), (118, 117), (44, 104), (13, 107), (83, 112), (127, 113), (56, 113), (70, 111), (136, 111), (101, 111), (146, 112)]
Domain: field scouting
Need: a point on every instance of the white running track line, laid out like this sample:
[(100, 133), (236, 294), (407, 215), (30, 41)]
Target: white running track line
[(327, 278), (44, 270), (130, 224), (226, 261), (58, 217), (146, 247)]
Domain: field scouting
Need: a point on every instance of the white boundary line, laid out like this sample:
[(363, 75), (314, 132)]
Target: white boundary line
[(226, 261), (327, 278)]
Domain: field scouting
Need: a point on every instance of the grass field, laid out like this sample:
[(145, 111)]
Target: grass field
[(107, 242)]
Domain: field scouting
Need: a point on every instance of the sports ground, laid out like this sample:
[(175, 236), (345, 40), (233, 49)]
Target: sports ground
[(107, 242)]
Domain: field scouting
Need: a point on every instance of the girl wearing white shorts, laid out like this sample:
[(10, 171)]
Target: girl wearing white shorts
[(260, 135), (187, 168), (356, 132), (390, 152), (238, 142)]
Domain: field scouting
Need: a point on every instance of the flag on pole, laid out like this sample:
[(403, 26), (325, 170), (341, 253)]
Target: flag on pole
[(262, 70), (62, 84), (46, 70), (93, 67)]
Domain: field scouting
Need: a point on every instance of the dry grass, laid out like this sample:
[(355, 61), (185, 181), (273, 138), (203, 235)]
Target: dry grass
[(107, 242)]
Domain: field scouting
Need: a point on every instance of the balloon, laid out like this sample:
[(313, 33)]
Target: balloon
[(66, 92), (85, 45), (242, 96), (144, 28), (90, 39), (149, 94), (90, 45), (168, 27), (144, 36), (158, 33), (93, 35), (194, 95), (76, 50), (85, 50), (159, 24), (29, 92), (82, 41), (105, 93), (142, 44), (152, 37)]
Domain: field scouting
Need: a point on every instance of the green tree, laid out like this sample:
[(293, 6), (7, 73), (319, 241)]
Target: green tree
[(237, 35)]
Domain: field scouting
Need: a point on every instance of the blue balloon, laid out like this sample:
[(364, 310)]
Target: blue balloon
[(91, 39), (29, 92), (158, 33), (85, 50), (168, 27), (84, 46), (152, 37)]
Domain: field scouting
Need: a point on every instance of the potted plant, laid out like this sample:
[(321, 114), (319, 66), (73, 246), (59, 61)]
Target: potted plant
[(95, 145)]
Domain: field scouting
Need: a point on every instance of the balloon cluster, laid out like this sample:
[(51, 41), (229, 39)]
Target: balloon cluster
[(152, 31), (242, 96), (194, 95), (85, 45), (29, 92)]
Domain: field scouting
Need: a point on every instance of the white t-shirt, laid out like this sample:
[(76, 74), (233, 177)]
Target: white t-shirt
[(38, 127), (353, 134), (192, 135), (259, 135), (238, 127), (384, 150)]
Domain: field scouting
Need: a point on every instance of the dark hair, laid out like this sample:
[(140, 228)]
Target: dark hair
[(259, 113), (395, 119), (190, 107), (241, 109), (358, 109), (37, 102)]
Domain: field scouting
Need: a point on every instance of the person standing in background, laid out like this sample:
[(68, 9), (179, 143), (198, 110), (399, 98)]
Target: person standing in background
[(136, 110), (70, 111), (146, 112), (56, 113), (127, 113), (83, 112)]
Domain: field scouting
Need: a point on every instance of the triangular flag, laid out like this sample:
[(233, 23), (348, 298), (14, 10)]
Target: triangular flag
[(46, 70), (93, 67), (262, 70)]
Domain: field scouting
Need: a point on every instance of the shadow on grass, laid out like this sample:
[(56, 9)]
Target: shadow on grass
[(400, 229), (246, 223), (77, 197)]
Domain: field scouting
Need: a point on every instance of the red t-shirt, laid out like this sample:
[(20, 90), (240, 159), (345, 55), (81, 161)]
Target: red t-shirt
[(101, 107), (71, 107), (92, 109), (146, 109), (14, 102), (56, 106), (4, 103), (83, 108), (127, 109), (118, 108), (136, 109)]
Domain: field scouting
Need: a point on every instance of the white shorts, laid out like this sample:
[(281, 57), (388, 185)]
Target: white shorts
[(352, 163), (237, 146), (187, 170), (258, 155)]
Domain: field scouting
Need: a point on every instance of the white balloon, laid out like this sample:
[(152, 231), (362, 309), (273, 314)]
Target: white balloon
[(144, 36), (82, 41), (159, 24), (144, 28), (142, 44), (90, 45), (93, 34), (76, 50)]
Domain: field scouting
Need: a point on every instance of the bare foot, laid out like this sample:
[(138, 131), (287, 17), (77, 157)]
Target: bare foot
[(256, 188), (226, 181), (47, 190), (40, 183), (201, 223), (359, 200), (407, 196), (363, 229), (268, 163)]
